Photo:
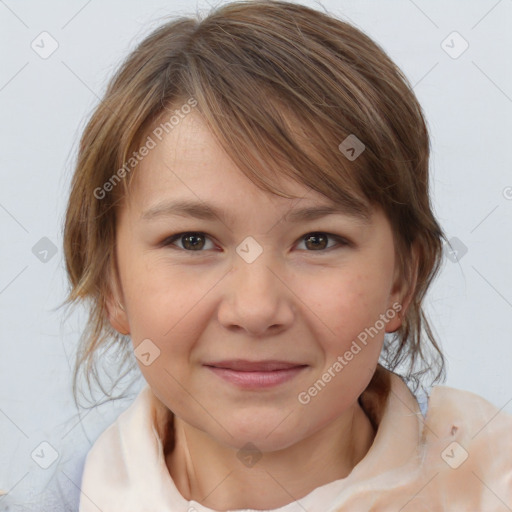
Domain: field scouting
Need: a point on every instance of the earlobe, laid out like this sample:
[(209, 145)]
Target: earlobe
[(115, 310), (396, 313), (117, 315)]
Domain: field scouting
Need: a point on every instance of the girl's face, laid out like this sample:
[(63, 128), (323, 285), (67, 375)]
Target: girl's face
[(255, 282)]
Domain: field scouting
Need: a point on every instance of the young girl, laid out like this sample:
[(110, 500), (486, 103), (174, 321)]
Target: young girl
[(250, 220)]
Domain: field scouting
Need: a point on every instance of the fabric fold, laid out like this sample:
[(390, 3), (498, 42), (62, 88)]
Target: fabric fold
[(457, 457)]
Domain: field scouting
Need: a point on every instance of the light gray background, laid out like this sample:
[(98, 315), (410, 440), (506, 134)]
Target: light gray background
[(44, 105)]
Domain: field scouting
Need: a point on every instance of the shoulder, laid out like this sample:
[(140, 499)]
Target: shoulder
[(125, 465), (106, 473), (132, 419), (468, 416), (467, 445)]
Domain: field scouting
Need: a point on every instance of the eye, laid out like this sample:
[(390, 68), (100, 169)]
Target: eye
[(193, 241), (317, 240)]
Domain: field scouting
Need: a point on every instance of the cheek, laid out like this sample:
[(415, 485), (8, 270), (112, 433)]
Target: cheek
[(167, 307), (350, 338), (161, 297), (347, 301)]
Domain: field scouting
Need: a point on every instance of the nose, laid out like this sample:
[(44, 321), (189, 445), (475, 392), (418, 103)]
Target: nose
[(256, 298)]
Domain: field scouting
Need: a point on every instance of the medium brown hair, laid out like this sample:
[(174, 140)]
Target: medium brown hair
[(280, 86)]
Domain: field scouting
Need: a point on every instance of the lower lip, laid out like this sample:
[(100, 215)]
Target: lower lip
[(257, 380)]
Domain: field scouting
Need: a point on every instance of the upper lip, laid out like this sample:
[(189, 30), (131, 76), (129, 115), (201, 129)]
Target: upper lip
[(243, 365)]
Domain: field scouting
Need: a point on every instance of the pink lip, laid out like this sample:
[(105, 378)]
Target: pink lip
[(242, 365), (257, 379)]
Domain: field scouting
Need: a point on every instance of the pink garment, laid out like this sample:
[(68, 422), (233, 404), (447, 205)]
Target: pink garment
[(458, 458)]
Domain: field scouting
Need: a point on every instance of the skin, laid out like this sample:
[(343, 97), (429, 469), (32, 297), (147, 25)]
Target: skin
[(295, 302)]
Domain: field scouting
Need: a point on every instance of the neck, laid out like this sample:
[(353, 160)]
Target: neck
[(212, 475)]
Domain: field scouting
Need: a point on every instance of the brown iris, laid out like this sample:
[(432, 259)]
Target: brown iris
[(319, 240)]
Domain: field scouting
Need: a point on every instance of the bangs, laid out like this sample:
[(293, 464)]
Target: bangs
[(267, 122)]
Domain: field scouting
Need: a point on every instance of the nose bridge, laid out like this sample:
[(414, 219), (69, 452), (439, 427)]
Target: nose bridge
[(254, 268), (257, 299)]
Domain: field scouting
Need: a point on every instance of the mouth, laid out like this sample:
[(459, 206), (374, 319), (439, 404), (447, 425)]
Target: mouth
[(255, 374), (242, 365)]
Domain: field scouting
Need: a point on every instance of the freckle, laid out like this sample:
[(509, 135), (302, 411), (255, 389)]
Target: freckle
[(454, 429)]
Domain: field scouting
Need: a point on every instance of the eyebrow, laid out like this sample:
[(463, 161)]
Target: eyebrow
[(204, 211)]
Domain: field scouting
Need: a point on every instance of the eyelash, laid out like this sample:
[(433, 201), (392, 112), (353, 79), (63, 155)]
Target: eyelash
[(168, 242)]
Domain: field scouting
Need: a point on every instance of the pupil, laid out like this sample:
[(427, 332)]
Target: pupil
[(316, 237), (193, 244)]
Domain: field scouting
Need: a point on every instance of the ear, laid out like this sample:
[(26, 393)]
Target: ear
[(403, 290), (114, 301)]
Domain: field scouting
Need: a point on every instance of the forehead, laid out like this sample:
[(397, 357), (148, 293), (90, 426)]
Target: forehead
[(187, 149), (188, 156), (188, 173)]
